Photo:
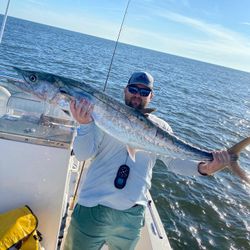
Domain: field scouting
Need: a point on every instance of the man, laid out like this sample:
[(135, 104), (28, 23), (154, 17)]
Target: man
[(112, 199)]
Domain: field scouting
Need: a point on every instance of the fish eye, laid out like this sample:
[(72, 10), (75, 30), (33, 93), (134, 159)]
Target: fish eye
[(33, 78)]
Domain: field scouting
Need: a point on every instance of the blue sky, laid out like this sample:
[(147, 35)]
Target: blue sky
[(214, 31)]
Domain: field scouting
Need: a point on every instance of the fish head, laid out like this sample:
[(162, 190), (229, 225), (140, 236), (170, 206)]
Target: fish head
[(43, 85)]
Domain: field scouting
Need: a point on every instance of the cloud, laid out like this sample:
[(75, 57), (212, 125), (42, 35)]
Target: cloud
[(167, 40), (37, 3), (230, 54), (214, 30), (82, 23), (246, 23), (215, 43)]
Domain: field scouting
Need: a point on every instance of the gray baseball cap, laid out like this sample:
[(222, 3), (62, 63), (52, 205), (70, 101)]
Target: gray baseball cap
[(141, 78)]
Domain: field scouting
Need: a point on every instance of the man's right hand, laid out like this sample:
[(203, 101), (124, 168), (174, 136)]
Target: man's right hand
[(81, 111)]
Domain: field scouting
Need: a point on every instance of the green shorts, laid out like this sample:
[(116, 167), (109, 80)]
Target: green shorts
[(91, 227)]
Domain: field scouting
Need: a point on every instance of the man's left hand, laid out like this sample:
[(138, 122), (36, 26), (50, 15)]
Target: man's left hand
[(220, 161)]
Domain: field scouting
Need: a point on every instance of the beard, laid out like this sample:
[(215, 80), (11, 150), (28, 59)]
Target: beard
[(135, 102)]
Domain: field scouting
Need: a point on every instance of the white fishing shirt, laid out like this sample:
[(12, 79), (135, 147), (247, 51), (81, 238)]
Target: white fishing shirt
[(106, 155)]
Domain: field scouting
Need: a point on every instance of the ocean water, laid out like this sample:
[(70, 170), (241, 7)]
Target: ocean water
[(205, 104)]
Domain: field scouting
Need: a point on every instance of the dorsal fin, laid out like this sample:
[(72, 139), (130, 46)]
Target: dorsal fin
[(147, 111)]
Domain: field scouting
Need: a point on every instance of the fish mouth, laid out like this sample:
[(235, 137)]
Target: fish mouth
[(18, 82), (9, 74), (11, 82), (11, 79)]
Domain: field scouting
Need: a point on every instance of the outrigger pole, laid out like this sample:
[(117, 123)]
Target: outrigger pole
[(4, 21)]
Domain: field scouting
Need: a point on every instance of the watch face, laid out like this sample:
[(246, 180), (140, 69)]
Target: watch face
[(121, 176)]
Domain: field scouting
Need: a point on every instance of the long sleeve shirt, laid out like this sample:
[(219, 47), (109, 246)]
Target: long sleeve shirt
[(106, 155)]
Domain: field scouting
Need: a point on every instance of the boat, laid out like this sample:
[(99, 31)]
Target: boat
[(38, 168)]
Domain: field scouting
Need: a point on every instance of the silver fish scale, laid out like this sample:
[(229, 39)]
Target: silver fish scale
[(133, 129)]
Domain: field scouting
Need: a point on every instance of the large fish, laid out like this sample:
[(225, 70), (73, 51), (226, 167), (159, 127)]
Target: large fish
[(128, 125)]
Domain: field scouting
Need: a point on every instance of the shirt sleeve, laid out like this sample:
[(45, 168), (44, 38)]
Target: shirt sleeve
[(87, 141), (182, 167)]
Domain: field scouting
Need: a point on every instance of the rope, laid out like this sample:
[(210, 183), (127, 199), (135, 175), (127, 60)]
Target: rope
[(117, 40)]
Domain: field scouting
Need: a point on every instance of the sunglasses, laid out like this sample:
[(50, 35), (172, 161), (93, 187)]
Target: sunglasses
[(143, 92)]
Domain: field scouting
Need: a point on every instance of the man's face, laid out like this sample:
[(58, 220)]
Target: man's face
[(135, 100)]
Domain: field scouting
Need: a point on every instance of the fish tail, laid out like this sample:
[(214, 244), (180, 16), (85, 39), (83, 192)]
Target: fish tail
[(236, 169), (237, 148), (234, 152)]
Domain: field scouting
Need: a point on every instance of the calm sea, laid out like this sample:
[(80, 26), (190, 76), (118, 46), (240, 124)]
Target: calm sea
[(205, 104)]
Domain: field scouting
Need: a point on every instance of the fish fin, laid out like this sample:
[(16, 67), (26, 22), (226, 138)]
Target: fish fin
[(236, 149), (147, 111), (131, 153), (234, 152), (237, 170), (66, 112)]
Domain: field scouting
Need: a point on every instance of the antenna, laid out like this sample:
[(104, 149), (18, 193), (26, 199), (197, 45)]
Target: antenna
[(116, 43), (4, 21)]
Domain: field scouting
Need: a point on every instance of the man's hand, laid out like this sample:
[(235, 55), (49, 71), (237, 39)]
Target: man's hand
[(82, 111), (220, 161)]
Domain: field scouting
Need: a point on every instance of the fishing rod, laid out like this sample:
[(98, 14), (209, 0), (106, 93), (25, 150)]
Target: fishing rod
[(116, 43), (4, 21)]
